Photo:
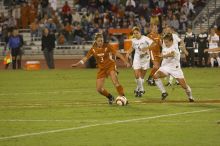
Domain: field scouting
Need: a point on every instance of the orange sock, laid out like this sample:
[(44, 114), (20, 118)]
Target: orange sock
[(120, 90), (105, 92)]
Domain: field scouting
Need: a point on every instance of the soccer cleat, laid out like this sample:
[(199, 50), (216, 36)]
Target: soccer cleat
[(191, 100), (135, 91), (137, 94), (168, 84), (142, 92), (177, 83), (164, 95), (110, 99), (150, 82)]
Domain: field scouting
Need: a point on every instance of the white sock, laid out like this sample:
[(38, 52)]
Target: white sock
[(170, 79), (142, 81), (137, 88), (212, 60), (141, 84), (159, 84), (189, 92), (218, 59)]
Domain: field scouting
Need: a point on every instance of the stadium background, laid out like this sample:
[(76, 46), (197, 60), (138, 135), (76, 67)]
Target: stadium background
[(75, 22)]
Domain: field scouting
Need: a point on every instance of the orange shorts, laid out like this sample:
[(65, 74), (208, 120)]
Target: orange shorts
[(104, 72), (155, 56)]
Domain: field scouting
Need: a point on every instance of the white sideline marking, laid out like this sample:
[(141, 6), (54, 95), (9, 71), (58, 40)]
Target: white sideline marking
[(101, 124)]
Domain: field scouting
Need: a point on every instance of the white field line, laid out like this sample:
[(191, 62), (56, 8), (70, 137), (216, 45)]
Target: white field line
[(100, 124)]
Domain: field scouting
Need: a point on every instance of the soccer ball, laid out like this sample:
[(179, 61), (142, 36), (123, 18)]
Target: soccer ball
[(121, 100)]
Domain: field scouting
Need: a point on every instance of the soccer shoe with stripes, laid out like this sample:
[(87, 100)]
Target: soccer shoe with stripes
[(151, 82), (110, 99), (191, 100), (164, 95), (168, 84)]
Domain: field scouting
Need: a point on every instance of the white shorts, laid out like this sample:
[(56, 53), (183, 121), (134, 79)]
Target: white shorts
[(141, 63), (175, 72)]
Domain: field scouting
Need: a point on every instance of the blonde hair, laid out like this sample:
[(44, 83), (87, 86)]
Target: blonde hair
[(98, 35), (136, 29)]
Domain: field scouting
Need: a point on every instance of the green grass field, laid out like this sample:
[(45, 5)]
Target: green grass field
[(62, 108)]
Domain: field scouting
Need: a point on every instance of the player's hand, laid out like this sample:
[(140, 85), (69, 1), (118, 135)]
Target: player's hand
[(159, 56), (186, 53), (75, 64), (206, 50)]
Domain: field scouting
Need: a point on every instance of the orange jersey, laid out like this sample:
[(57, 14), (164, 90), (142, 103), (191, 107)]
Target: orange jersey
[(103, 56), (155, 51), (156, 38)]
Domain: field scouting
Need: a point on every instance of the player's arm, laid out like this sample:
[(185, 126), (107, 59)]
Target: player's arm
[(153, 45), (170, 54), (183, 48), (212, 50), (129, 52), (83, 60), (119, 55)]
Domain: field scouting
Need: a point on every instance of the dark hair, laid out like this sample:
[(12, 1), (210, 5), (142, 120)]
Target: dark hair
[(168, 37)]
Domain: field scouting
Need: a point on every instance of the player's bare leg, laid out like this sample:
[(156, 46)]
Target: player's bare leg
[(187, 89), (100, 88), (114, 78), (156, 66)]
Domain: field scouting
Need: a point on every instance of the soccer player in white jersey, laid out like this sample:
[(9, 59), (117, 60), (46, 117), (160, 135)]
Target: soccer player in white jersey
[(171, 66), (213, 39), (176, 41), (141, 61)]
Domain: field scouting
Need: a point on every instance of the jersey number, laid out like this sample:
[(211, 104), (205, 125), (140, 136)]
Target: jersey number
[(101, 59)]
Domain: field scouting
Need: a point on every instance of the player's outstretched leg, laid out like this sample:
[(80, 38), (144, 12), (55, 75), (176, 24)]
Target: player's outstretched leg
[(187, 89)]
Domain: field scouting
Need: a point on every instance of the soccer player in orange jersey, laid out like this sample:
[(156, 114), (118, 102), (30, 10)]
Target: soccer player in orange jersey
[(154, 52), (107, 66)]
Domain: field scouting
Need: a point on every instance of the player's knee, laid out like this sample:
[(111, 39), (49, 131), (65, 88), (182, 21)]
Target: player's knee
[(156, 67), (116, 84)]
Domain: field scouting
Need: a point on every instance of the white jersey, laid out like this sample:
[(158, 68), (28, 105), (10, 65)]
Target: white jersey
[(139, 44), (171, 65), (213, 43), (171, 61), (141, 59)]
